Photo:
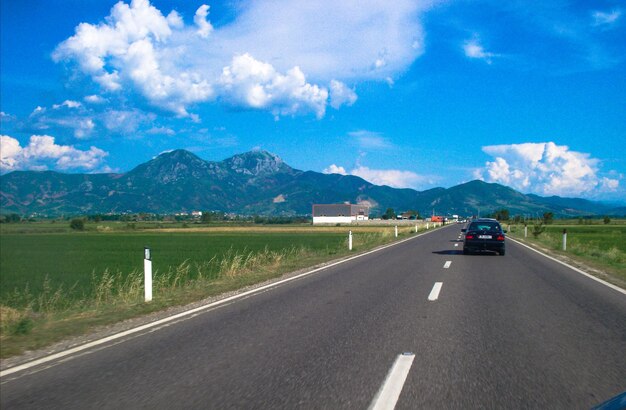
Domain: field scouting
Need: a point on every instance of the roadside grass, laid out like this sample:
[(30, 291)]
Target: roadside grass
[(56, 285), (599, 246)]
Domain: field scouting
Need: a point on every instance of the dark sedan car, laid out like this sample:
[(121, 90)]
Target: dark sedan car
[(484, 235)]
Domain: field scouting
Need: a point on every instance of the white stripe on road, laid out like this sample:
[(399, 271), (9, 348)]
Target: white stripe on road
[(434, 294), (456, 244), (389, 392), (447, 264)]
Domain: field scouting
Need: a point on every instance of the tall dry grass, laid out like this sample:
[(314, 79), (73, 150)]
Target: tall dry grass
[(127, 289)]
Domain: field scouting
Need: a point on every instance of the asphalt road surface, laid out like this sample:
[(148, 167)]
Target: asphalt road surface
[(479, 331)]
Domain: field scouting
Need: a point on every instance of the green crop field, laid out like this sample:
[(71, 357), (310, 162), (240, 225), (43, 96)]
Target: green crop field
[(71, 259)]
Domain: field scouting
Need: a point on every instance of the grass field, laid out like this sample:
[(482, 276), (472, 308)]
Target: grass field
[(599, 245), (71, 259), (57, 282)]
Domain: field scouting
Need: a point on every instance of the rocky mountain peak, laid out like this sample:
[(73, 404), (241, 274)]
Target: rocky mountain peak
[(257, 163), (171, 166)]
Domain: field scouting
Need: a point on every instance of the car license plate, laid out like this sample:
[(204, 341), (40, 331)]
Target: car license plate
[(484, 236)]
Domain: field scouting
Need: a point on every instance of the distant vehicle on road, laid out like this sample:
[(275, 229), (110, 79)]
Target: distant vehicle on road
[(484, 235)]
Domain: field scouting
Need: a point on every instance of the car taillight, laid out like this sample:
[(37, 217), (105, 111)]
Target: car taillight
[(469, 236), (500, 237)]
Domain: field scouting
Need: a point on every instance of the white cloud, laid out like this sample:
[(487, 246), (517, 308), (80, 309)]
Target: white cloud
[(604, 19), (473, 49), (391, 177), (340, 94), (545, 168), (84, 128), (161, 131), (370, 139), (204, 27), (42, 153), (255, 84), (9, 150), (136, 49), (94, 99), (5, 117), (126, 122), (343, 40), (69, 115), (67, 104), (334, 169)]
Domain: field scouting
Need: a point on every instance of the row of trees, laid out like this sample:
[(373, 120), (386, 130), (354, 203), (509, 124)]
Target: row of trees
[(219, 216), (390, 213)]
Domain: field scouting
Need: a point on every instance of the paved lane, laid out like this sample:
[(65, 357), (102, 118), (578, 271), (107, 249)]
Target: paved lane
[(516, 331)]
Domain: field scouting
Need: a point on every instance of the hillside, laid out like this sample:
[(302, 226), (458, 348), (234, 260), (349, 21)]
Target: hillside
[(256, 182)]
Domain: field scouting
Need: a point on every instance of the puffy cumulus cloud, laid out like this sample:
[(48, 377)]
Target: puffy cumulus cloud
[(129, 49), (474, 49), (255, 84), (43, 153), (545, 168), (173, 65), (340, 94), (391, 177), (204, 27), (9, 151), (334, 169)]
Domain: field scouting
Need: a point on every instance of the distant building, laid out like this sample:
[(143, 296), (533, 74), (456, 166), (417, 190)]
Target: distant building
[(339, 213)]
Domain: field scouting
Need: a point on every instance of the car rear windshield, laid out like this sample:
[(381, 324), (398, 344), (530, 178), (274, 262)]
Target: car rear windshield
[(485, 226)]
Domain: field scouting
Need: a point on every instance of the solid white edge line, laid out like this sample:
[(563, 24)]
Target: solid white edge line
[(434, 294), (447, 264), (610, 285), (98, 342), (389, 392)]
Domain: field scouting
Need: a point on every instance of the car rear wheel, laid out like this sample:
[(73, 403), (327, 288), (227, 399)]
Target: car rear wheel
[(465, 251), (502, 252)]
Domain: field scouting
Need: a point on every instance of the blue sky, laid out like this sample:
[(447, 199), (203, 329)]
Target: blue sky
[(413, 94)]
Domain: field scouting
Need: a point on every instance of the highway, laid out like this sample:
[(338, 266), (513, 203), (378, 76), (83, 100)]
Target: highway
[(475, 331)]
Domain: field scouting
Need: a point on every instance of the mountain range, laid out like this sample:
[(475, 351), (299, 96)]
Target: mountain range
[(256, 182)]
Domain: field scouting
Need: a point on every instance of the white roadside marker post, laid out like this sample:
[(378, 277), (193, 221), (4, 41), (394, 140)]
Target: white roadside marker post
[(525, 231), (426, 225), (564, 239), (415, 228), (350, 241), (396, 231), (147, 274)]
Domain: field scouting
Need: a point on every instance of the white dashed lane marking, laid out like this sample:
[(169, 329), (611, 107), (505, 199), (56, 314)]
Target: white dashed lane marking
[(389, 392), (434, 294)]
